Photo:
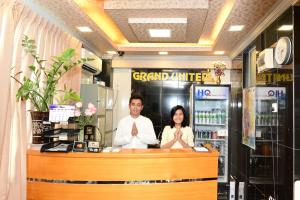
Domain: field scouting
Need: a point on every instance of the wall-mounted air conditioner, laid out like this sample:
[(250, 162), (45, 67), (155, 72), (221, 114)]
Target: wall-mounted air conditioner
[(266, 61), (94, 66)]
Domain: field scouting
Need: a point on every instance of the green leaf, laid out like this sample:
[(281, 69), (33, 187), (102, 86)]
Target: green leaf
[(65, 68), (32, 67)]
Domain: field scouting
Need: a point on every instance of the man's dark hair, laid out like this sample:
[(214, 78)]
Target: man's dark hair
[(184, 122), (136, 96)]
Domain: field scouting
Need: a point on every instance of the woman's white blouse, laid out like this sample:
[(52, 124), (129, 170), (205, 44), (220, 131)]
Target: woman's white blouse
[(187, 136)]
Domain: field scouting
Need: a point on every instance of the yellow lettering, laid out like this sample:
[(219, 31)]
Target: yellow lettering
[(143, 76), (269, 77), (289, 77), (165, 76), (150, 76), (198, 77), (136, 76), (181, 76), (157, 76), (174, 76), (192, 76)]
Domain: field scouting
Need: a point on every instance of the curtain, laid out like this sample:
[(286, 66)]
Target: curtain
[(17, 20)]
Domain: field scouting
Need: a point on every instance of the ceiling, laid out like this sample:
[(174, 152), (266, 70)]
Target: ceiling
[(198, 27)]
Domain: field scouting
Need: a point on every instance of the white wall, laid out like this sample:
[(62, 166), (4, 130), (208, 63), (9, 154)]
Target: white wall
[(180, 62), (122, 91)]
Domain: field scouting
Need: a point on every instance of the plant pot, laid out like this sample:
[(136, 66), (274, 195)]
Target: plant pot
[(37, 118)]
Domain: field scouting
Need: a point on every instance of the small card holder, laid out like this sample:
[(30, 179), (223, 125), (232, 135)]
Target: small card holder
[(94, 147), (79, 146)]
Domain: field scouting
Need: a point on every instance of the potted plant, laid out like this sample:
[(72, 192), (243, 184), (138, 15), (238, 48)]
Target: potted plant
[(86, 120), (41, 87)]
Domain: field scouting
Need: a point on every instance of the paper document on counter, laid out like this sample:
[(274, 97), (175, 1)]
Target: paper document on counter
[(111, 149), (200, 149)]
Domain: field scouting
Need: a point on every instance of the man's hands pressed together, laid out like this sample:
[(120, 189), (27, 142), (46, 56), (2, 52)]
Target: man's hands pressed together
[(134, 130)]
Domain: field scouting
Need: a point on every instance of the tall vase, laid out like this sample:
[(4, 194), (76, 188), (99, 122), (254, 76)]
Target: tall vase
[(81, 135), (37, 118), (218, 81)]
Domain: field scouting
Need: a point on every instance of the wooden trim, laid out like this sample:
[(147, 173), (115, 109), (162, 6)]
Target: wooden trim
[(127, 165), (169, 191), (124, 166)]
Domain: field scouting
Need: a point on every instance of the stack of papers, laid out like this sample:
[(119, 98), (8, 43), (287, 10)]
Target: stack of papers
[(200, 149), (111, 149)]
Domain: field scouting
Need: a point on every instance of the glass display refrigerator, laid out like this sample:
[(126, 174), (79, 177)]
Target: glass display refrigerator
[(264, 139), (209, 117)]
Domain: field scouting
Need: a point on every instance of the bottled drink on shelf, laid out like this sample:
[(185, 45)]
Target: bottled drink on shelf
[(274, 119), (219, 117), (209, 117), (201, 117), (206, 117), (262, 118), (213, 116), (223, 117), (214, 135), (197, 116), (258, 120)]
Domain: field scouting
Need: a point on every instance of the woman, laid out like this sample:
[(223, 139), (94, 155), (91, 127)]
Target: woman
[(179, 134)]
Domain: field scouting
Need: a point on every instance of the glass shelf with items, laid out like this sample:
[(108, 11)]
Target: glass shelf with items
[(214, 116)]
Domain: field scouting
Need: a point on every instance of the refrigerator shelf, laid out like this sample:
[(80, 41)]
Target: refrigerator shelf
[(210, 99), (260, 180), (262, 156), (268, 140), (198, 124), (208, 139), (267, 125)]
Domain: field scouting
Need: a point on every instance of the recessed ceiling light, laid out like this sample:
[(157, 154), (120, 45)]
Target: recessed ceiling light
[(285, 28), (162, 33), (111, 52), (219, 52), (84, 29), (236, 28), (163, 53)]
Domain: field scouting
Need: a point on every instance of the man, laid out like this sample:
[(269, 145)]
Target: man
[(135, 130)]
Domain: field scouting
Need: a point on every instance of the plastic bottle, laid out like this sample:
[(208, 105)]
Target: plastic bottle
[(223, 117)]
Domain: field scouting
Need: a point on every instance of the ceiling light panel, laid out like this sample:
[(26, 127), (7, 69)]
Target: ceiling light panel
[(163, 53), (84, 29), (285, 28), (235, 28), (157, 20), (111, 52), (219, 52), (160, 33)]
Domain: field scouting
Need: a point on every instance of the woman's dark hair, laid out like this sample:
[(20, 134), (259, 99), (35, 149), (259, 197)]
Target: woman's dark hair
[(136, 96), (184, 123)]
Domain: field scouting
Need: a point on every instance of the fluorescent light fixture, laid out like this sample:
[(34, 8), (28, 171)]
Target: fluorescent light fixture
[(285, 28), (219, 52), (163, 53), (84, 29), (111, 52), (236, 28), (160, 33)]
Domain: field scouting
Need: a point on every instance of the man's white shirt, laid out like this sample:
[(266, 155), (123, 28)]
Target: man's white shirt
[(145, 136)]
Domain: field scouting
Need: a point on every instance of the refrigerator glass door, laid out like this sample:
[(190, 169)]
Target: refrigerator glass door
[(210, 116)]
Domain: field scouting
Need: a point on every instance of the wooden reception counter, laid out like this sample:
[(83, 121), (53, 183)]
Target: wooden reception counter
[(129, 174)]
